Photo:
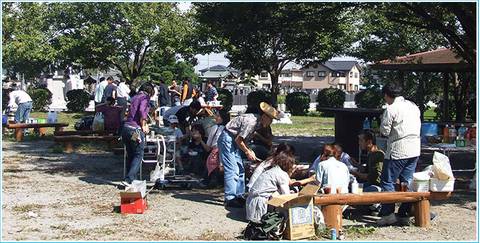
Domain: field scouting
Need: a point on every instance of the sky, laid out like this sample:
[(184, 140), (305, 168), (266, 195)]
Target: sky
[(213, 59)]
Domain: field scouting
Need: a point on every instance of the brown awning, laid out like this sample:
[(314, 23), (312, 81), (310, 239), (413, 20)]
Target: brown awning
[(439, 60)]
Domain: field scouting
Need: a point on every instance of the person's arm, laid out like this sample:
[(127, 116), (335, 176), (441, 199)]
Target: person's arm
[(387, 121), (243, 146), (184, 93), (144, 108), (304, 181), (11, 101), (284, 185)]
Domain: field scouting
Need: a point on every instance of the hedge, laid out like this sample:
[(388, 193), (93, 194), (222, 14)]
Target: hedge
[(226, 98), (77, 100), (298, 103), (41, 98), (330, 98), (255, 98), (369, 98)]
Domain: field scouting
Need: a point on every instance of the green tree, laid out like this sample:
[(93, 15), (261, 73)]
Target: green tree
[(125, 36), (268, 36), (26, 38)]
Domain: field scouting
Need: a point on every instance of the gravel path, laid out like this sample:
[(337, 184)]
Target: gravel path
[(49, 196)]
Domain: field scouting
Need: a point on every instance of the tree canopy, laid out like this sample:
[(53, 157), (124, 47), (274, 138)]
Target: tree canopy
[(268, 36)]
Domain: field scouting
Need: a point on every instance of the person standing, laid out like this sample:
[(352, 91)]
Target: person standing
[(232, 142), (123, 96), (175, 93), (163, 94), (187, 93), (134, 130), (211, 94), (99, 90), (110, 90), (401, 124), (24, 103)]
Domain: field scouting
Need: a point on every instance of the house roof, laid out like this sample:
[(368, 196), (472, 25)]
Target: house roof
[(219, 68), (336, 65), (439, 60), (340, 65)]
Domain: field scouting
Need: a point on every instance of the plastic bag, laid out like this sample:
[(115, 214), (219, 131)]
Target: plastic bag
[(98, 122), (138, 186), (441, 167), (156, 174), (52, 117)]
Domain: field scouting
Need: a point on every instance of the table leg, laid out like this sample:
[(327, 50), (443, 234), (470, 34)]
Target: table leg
[(19, 134), (68, 147), (333, 216), (422, 213), (42, 131)]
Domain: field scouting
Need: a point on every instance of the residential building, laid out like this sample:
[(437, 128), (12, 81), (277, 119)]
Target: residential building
[(220, 75), (344, 75), (291, 78)]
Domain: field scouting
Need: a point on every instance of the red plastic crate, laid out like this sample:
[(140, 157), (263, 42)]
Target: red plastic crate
[(132, 203)]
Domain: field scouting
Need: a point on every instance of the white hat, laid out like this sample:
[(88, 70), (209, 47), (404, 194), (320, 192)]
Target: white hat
[(173, 119)]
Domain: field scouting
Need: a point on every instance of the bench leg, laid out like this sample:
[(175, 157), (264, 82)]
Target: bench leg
[(42, 131), (333, 216), (68, 147), (422, 213), (19, 134)]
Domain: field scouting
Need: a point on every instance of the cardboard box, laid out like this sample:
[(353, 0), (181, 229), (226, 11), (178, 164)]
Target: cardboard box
[(132, 203), (299, 208)]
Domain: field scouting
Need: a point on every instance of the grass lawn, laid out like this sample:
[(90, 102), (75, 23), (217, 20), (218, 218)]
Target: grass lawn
[(306, 126), (65, 117)]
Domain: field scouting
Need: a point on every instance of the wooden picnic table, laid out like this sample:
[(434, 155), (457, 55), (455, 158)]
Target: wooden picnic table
[(40, 128)]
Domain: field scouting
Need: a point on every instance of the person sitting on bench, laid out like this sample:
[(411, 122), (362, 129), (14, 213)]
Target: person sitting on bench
[(375, 156), (112, 114), (331, 172)]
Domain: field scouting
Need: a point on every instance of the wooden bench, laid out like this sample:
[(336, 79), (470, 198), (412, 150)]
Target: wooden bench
[(40, 128), (68, 141), (332, 204), (83, 133)]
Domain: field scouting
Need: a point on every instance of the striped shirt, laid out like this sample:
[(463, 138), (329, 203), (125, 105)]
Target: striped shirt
[(401, 124)]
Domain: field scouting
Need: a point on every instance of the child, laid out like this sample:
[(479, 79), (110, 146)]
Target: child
[(179, 138), (344, 157), (197, 151), (214, 174)]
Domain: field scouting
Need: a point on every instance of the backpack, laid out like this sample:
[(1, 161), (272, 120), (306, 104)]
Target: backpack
[(271, 227), (85, 123)]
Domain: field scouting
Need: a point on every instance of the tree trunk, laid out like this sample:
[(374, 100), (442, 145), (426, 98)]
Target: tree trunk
[(275, 89), (421, 96), (445, 110), (461, 97)]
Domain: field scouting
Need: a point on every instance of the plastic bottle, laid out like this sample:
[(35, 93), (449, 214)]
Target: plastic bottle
[(375, 124), (366, 123), (462, 130), (446, 133), (355, 186), (333, 234)]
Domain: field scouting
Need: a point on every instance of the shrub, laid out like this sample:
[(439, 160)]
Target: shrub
[(255, 98), (330, 98), (281, 99), (226, 98), (298, 103), (41, 98), (369, 98), (78, 100)]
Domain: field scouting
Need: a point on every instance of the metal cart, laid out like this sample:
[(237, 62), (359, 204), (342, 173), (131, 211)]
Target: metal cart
[(160, 149)]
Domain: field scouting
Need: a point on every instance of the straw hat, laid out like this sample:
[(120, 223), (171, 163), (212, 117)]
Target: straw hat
[(269, 110)]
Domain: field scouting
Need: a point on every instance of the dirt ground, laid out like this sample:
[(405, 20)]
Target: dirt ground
[(51, 196)]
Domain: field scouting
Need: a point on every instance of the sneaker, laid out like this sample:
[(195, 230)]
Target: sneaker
[(387, 220), (403, 221)]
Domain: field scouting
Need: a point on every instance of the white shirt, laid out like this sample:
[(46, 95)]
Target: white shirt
[(214, 134), (123, 90), (99, 90), (18, 97), (401, 124), (334, 173)]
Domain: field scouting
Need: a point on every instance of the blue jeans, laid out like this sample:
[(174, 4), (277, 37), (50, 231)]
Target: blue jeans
[(134, 151), (234, 173), (23, 112), (392, 170)]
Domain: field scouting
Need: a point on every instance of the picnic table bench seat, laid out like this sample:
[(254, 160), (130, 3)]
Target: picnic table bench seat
[(332, 204), (69, 140), (83, 133), (40, 128)]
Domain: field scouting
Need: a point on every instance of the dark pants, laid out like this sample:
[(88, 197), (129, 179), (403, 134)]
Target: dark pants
[(134, 151), (403, 170)]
